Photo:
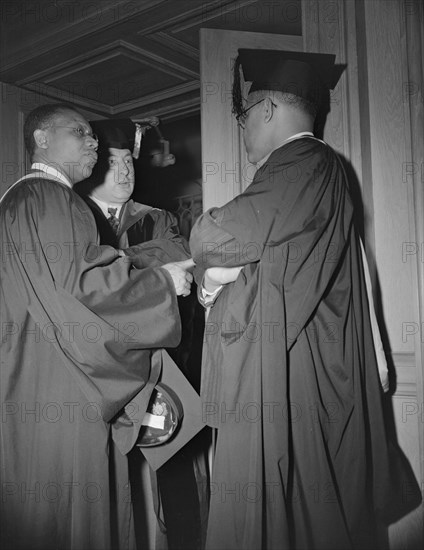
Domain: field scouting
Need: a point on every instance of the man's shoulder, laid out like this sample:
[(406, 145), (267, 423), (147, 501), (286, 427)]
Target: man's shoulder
[(303, 147), (35, 179), (140, 209), (33, 186), (294, 155)]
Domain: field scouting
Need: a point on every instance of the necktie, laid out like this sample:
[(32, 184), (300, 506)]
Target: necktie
[(113, 220)]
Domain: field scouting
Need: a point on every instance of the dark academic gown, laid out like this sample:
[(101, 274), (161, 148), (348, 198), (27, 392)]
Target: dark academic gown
[(289, 371), (78, 363), (150, 237), (152, 234)]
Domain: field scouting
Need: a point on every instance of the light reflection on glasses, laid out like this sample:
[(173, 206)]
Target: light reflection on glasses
[(79, 131)]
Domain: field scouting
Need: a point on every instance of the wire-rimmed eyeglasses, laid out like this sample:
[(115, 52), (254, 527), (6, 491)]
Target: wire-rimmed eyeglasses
[(241, 118), (79, 131)]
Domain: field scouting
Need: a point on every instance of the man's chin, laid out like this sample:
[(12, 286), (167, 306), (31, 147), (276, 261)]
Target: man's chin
[(125, 189), (251, 158), (87, 170), (250, 155), (124, 196)]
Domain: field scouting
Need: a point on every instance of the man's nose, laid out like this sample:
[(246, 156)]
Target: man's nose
[(93, 143)]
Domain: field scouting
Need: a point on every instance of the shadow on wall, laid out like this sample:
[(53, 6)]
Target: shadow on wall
[(405, 496)]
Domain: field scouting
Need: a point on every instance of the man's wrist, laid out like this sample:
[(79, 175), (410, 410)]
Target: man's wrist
[(210, 286), (210, 293)]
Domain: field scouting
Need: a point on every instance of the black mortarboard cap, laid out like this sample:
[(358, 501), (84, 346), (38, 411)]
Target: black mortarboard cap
[(303, 74), (192, 419), (118, 133)]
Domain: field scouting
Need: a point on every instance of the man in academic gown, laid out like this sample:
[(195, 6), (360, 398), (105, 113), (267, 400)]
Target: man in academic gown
[(150, 237), (81, 332), (289, 370), (121, 221)]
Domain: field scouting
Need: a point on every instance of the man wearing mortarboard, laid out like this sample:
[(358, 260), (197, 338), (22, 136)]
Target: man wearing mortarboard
[(289, 374), (149, 237)]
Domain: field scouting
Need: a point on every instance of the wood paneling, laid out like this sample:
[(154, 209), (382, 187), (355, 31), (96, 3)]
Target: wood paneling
[(390, 154), (12, 159), (380, 117)]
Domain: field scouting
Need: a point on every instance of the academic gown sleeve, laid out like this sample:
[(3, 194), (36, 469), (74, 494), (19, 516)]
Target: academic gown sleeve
[(106, 317), (164, 242), (294, 205)]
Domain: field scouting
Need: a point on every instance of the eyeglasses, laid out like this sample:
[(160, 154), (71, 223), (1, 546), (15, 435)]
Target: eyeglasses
[(241, 118), (79, 131)]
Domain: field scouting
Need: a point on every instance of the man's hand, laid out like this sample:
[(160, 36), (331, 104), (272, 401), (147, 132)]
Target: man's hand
[(216, 276), (181, 278)]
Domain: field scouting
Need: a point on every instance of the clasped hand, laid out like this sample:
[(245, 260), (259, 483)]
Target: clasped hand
[(181, 276)]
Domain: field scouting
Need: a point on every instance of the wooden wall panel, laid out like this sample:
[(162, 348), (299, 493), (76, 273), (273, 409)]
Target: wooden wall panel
[(381, 121), (390, 154), (12, 159), (407, 533)]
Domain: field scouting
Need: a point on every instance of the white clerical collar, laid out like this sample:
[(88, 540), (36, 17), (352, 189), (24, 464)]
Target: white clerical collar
[(291, 138), (104, 206), (51, 171)]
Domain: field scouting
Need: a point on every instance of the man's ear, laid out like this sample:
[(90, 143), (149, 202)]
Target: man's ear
[(40, 138), (268, 108)]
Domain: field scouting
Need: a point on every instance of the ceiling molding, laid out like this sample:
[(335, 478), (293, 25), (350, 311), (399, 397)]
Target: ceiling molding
[(163, 63), (167, 69), (61, 69), (175, 44), (66, 97), (157, 97), (202, 12), (220, 10), (81, 27), (143, 103), (180, 109), (108, 51)]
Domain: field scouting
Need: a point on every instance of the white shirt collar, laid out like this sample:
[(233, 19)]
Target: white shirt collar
[(104, 206), (291, 138), (51, 171)]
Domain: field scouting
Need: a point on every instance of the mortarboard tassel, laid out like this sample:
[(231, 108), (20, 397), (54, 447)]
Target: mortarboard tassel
[(237, 95), (137, 140)]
